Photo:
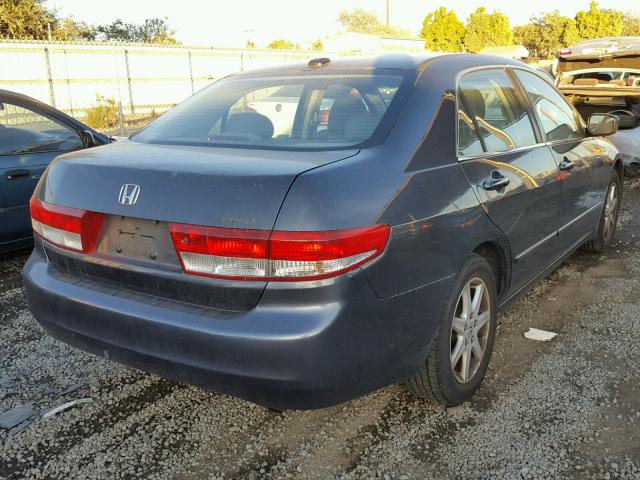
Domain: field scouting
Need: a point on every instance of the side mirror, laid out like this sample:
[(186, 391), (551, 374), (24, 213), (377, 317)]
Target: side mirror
[(603, 124), (89, 139)]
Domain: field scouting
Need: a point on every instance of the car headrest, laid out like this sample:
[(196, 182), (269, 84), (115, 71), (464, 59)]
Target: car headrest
[(474, 101), (605, 77), (586, 81), (252, 123), (343, 110), (361, 126), (619, 83)]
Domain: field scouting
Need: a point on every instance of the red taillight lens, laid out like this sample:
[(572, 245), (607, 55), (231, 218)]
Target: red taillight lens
[(220, 241), (66, 227), (319, 246), (564, 51), (278, 255)]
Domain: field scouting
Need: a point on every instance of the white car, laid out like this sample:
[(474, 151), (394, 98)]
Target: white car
[(603, 76)]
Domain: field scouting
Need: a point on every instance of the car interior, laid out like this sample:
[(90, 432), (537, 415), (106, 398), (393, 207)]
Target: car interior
[(626, 108), (348, 120), (323, 112)]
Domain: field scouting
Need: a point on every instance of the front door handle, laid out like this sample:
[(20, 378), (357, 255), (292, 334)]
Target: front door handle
[(566, 165), (17, 174), (497, 181)]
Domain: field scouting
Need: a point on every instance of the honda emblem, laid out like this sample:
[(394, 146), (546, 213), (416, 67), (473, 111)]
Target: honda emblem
[(129, 193)]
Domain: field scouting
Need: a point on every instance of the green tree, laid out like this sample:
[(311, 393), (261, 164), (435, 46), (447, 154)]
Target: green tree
[(561, 32), (529, 36), (442, 31), (68, 30), (596, 23), (631, 24), (546, 34), (156, 30), (487, 30), (25, 19), (251, 44), (317, 45), (152, 30), (118, 31), (361, 21), (281, 44)]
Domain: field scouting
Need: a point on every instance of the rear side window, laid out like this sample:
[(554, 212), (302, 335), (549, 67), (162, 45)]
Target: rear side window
[(489, 105), (559, 121), (468, 140), (298, 111)]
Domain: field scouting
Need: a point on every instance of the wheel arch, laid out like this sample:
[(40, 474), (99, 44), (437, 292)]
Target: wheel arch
[(619, 167), (494, 254)]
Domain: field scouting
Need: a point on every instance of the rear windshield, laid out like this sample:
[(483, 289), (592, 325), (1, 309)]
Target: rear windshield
[(311, 111)]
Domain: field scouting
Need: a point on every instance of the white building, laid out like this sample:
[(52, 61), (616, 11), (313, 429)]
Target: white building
[(365, 43), (517, 52)]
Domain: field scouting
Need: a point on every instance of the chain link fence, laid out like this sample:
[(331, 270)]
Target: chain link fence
[(143, 80)]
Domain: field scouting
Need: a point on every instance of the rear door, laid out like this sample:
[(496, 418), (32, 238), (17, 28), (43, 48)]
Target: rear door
[(583, 168), (514, 175), (29, 141)]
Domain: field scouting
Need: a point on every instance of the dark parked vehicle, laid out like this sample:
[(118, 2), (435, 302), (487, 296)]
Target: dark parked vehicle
[(373, 241), (31, 135)]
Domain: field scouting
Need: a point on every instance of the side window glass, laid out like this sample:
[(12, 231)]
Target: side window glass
[(559, 121), (490, 99), (468, 140), (25, 131)]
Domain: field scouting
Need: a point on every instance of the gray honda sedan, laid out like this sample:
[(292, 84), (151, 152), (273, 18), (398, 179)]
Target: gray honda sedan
[(301, 255)]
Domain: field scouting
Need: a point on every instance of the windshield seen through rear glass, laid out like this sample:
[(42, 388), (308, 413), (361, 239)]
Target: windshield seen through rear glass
[(303, 111)]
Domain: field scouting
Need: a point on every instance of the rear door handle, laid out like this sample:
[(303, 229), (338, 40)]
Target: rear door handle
[(497, 181), (566, 164), (17, 174)]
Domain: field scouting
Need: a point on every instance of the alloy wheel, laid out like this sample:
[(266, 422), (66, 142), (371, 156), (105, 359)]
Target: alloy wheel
[(610, 212), (470, 329)]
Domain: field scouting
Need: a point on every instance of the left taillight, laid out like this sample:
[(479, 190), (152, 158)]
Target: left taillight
[(66, 227)]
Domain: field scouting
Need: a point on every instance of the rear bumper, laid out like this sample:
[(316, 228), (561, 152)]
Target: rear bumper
[(302, 347)]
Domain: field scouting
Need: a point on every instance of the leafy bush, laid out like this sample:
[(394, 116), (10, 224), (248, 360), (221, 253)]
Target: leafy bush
[(102, 115), (281, 44)]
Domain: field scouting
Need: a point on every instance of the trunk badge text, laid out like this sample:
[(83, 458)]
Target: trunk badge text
[(129, 193)]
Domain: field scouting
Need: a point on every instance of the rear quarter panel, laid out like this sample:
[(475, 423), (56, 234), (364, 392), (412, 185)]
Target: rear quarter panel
[(412, 182)]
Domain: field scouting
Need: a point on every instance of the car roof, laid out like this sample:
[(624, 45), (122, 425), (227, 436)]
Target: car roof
[(397, 61)]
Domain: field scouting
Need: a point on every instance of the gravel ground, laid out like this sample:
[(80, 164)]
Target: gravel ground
[(569, 408)]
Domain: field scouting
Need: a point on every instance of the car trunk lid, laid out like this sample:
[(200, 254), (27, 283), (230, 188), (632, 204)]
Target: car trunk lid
[(581, 60), (220, 187)]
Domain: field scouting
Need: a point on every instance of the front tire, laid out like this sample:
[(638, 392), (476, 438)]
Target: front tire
[(609, 217), (462, 346)]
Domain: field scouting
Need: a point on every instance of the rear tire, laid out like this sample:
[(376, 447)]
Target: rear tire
[(609, 217), (462, 346)]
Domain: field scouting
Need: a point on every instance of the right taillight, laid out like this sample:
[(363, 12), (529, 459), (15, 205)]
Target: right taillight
[(246, 254), (65, 227)]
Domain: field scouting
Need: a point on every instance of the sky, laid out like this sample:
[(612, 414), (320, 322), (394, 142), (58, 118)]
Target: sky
[(228, 23)]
